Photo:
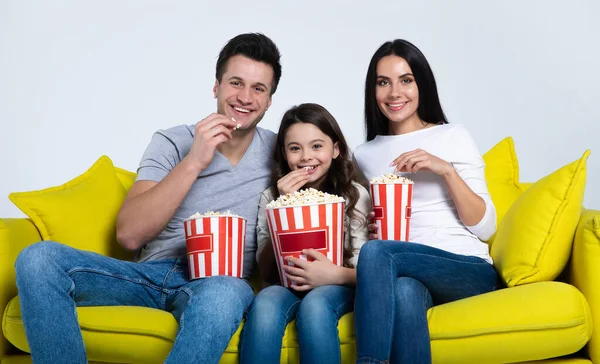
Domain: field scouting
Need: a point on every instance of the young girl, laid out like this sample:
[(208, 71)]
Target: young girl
[(310, 152), (452, 211)]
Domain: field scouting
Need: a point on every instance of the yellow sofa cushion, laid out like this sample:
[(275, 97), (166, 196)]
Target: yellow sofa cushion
[(529, 322), (502, 176), (126, 177), (80, 213), (127, 334), (533, 241)]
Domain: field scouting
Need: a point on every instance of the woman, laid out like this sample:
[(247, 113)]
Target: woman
[(452, 212)]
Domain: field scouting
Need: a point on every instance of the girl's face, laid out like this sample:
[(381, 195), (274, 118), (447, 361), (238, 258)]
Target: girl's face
[(306, 146), (397, 94)]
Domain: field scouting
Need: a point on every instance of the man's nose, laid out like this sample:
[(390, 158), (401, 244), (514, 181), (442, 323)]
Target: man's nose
[(245, 95)]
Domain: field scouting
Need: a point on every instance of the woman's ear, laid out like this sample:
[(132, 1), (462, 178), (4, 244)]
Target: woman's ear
[(336, 150)]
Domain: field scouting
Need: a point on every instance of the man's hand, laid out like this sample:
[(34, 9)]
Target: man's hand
[(213, 130), (372, 226), (292, 181), (309, 275)]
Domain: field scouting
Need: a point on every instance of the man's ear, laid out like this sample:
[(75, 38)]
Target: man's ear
[(270, 102), (216, 89), (336, 150)]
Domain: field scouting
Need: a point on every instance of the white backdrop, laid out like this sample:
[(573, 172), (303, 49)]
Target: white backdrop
[(79, 79)]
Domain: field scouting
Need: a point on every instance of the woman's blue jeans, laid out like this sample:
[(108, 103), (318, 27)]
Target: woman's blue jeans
[(397, 282), (53, 279), (316, 313)]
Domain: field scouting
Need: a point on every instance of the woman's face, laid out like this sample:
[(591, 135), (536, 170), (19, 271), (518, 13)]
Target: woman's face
[(397, 94)]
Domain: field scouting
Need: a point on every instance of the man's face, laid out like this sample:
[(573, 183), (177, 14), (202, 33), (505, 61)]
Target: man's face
[(244, 92)]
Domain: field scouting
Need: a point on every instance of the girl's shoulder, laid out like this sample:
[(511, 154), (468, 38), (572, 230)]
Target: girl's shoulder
[(362, 191), (364, 199), (266, 196)]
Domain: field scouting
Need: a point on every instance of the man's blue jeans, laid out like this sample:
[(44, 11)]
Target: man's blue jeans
[(53, 279), (397, 282), (316, 313)]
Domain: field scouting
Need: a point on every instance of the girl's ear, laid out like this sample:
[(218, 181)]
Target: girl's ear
[(336, 150)]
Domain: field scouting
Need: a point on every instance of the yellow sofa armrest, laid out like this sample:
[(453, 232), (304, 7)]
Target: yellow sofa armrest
[(584, 271), (15, 235)]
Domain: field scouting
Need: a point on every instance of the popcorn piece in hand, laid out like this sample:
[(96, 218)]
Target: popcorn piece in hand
[(391, 178), (304, 197), (237, 126)]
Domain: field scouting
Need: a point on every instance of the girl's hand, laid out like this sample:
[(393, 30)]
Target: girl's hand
[(292, 181), (309, 275), (418, 160), (372, 226)]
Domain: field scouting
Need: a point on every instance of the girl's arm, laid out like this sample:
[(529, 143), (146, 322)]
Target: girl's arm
[(265, 258)]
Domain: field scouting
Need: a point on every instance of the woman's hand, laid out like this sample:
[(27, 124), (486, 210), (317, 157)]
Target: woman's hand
[(418, 160), (309, 275), (292, 181)]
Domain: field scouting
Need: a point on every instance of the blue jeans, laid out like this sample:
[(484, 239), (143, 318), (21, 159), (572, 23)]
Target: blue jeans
[(317, 314), (397, 283), (53, 279)]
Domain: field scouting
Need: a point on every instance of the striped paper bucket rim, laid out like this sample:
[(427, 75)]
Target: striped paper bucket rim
[(392, 183), (214, 216), (308, 204)]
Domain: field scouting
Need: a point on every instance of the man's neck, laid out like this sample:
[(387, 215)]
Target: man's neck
[(235, 148)]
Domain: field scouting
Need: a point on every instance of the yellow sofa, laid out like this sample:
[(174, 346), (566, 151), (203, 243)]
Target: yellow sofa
[(549, 321)]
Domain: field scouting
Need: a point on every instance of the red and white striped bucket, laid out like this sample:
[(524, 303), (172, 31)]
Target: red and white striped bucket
[(318, 226), (215, 246), (392, 207)]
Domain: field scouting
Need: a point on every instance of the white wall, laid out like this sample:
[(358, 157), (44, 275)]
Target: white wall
[(79, 79)]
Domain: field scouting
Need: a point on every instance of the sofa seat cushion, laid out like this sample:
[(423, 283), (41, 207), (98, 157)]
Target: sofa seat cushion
[(523, 323), (529, 322), (126, 334)]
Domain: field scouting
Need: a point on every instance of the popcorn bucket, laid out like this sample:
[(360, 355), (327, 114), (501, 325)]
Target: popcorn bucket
[(215, 245), (293, 228), (392, 207)]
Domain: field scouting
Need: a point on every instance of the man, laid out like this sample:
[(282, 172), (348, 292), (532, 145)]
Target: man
[(221, 163)]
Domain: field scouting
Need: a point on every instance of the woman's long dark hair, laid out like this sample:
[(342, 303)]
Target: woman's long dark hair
[(339, 177), (429, 109)]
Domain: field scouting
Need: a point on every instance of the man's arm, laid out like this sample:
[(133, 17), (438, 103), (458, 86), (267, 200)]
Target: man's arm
[(150, 205)]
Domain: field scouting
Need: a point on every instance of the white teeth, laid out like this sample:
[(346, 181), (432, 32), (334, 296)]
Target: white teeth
[(308, 168), (241, 109), (396, 105)]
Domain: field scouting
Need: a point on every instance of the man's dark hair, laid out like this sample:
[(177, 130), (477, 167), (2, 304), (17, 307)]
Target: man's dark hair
[(255, 46)]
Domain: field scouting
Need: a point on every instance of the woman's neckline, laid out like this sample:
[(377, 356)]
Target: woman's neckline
[(420, 131)]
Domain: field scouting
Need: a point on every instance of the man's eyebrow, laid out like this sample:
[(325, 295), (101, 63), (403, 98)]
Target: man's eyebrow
[(236, 78)]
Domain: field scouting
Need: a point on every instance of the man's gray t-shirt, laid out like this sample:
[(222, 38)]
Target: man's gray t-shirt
[(219, 187)]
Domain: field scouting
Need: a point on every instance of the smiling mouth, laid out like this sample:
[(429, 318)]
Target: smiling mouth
[(309, 168), (396, 107), (241, 110)]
